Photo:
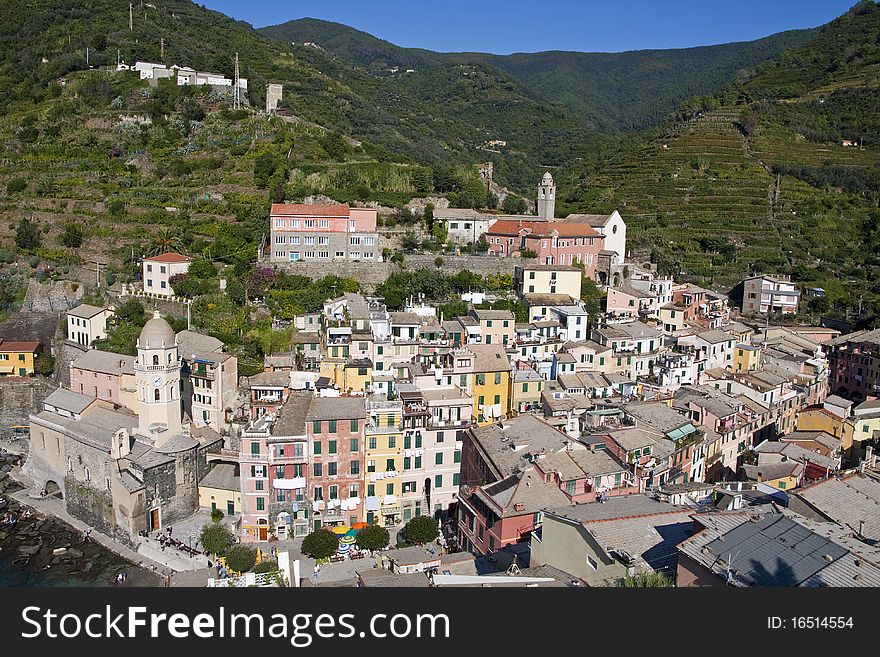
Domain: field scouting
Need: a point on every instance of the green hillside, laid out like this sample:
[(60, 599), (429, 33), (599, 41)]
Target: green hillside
[(757, 179), (611, 91)]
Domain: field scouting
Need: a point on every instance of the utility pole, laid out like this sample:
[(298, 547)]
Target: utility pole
[(98, 264), (130, 18), (162, 47), (87, 55), (236, 92)]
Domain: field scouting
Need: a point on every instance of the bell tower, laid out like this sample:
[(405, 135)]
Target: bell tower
[(157, 376), (547, 198)]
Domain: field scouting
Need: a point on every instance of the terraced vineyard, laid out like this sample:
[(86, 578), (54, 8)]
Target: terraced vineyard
[(702, 199)]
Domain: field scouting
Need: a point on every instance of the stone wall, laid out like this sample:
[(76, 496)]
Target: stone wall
[(371, 274), (19, 397)]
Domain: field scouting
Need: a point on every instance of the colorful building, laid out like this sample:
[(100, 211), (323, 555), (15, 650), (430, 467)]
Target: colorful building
[(322, 233), (490, 383), (18, 358), (384, 458), (336, 435)]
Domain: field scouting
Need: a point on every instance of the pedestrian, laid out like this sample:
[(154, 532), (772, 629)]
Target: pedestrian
[(316, 571)]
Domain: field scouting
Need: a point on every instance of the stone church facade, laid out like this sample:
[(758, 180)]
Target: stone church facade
[(118, 471)]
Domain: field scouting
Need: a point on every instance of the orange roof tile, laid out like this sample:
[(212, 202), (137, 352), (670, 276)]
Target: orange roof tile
[(169, 257), (542, 229), (310, 210), (29, 346)]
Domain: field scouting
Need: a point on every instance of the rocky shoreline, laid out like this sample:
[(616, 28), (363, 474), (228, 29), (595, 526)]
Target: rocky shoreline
[(38, 550)]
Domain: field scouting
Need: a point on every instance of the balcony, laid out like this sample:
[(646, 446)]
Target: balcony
[(253, 458)]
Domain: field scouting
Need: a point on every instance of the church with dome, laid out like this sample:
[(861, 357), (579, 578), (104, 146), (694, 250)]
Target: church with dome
[(126, 470)]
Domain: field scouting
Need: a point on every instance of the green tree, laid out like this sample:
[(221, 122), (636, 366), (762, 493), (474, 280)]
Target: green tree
[(165, 240), (320, 544), (240, 558), (514, 205), (73, 235), (373, 537), (27, 234), (216, 538), (421, 530), (482, 244), (216, 515), (429, 217), (44, 365)]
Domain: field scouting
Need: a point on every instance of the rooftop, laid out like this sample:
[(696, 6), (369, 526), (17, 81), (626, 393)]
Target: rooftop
[(336, 408), (85, 311), (168, 257)]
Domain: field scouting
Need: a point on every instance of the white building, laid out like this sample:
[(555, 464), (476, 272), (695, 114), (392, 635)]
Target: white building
[(463, 224), (86, 323), (159, 269), (611, 226)]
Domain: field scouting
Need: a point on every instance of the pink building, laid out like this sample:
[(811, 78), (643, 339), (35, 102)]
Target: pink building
[(555, 243), (335, 429), (105, 375), (269, 391), (273, 460), (322, 232)]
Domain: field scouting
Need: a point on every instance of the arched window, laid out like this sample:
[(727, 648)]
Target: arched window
[(155, 359), (156, 394)]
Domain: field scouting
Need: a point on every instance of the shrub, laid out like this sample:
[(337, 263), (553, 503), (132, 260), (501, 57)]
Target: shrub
[(320, 544), (240, 558), (216, 515), (27, 234), (16, 185), (266, 566), (73, 235)]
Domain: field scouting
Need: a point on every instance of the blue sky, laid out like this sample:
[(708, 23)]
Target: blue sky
[(505, 26)]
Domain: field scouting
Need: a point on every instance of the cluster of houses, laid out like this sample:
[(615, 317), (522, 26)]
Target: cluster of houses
[(184, 75), (662, 436)]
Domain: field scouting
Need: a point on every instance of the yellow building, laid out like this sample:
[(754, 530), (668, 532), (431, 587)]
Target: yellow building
[(357, 376), (816, 418), (525, 395), (491, 383), (18, 358), (746, 357), (383, 437), (221, 489)]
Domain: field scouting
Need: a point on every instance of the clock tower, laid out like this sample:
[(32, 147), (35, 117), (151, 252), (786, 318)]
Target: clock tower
[(157, 375)]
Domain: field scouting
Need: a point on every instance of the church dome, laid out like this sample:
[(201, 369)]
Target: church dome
[(156, 334), (547, 179)]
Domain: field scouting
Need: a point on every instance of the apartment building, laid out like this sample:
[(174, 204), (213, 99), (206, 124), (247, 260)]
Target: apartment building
[(322, 233)]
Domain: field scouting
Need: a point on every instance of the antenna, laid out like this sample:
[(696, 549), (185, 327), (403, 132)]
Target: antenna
[(236, 92)]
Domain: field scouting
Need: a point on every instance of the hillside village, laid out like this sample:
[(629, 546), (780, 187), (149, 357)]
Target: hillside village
[(253, 349), (669, 409)]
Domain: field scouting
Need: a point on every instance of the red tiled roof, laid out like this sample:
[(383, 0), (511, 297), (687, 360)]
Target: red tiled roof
[(542, 228), (169, 257), (27, 347), (306, 209)]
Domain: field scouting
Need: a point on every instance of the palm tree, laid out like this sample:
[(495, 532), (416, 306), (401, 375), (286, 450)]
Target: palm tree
[(165, 239), (46, 187), (645, 580)]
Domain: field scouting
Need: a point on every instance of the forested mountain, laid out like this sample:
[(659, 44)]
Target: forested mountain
[(749, 174), (611, 91), (778, 173)]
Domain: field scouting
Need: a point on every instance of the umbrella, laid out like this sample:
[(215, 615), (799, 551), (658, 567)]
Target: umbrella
[(352, 532), (347, 540), (342, 529), (360, 525)]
